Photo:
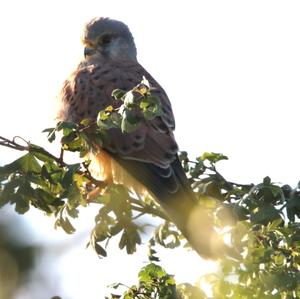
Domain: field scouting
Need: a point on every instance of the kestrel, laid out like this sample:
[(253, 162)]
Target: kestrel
[(145, 159)]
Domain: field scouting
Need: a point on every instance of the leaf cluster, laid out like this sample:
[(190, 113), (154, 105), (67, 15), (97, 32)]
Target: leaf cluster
[(136, 106), (154, 282), (41, 180), (260, 221)]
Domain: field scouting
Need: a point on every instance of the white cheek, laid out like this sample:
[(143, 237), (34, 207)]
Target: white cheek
[(115, 52), (118, 49)]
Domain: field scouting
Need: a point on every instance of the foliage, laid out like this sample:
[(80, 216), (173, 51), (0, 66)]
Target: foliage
[(154, 282), (261, 221)]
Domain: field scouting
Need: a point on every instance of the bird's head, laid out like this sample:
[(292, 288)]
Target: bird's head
[(105, 38)]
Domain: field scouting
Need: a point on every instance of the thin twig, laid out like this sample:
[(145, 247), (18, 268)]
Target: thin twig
[(12, 144), (147, 209), (229, 183), (36, 149), (138, 215), (61, 156)]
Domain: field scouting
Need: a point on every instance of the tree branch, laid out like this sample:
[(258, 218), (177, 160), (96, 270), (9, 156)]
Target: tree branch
[(140, 207), (36, 149)]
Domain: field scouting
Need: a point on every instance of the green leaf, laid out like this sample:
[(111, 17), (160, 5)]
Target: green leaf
[(72, 212), (275, 224), (101, 230), (22, 205), (213, 157), (183, 155), (46, 175), (265, 214), (45, 196), (129, 239), (100, 250), (128, 124), (66, 225), (151, 271), (242, 213), (267, 181), (10, 186), (74, 196), (40, 153), (118, 93), (26, 163), (76, 144), (51, 134), (107, 120), (115, 285), (85, 122), (114, 230), (69, 137), (103, 115), (66, 125), (67, 178), (151, 107)]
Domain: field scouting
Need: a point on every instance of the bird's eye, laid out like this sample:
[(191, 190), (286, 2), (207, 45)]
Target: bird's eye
[(106, 39)]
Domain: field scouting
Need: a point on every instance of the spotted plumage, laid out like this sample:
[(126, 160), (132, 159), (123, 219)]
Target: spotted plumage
[(147, 157)]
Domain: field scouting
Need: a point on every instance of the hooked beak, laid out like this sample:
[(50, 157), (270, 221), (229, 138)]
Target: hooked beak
[(88, 52)]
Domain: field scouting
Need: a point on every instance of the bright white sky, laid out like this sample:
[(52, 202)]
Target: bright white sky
[(231, 69)]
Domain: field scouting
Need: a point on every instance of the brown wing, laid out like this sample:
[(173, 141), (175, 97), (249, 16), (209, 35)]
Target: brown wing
[(89, 90), (148, 154)]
